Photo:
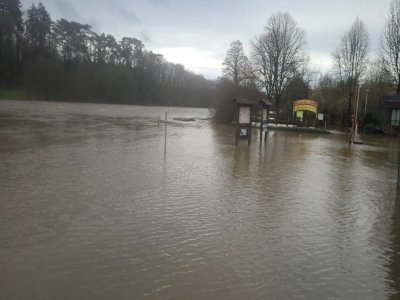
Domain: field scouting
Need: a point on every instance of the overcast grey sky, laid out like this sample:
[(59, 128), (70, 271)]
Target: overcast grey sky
[(198, 33)]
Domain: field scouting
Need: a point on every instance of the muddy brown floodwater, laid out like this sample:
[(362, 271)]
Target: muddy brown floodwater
[(90, 209)]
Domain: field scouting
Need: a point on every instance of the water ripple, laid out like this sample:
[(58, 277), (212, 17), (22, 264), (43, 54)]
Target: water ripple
[(91, 209)]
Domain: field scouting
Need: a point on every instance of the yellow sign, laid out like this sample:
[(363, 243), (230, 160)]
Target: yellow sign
[(305, 104), (299, 114)]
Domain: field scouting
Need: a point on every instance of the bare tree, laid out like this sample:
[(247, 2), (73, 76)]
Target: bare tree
[(236, 66), (390, 44), (351, 58), (277, 55)]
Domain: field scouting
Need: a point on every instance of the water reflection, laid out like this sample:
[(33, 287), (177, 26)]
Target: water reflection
[(90, 209), (393, 251)]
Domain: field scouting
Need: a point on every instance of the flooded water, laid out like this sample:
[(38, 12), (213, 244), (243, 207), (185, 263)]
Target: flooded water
[(91, 209)]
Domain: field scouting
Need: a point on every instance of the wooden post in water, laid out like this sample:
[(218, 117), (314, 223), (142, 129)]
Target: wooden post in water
[(398, 175), (165, 139), (265, 134), (158, 121), (250, 126), (237, 126)]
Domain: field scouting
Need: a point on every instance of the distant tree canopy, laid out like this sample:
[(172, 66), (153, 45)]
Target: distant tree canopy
[(350, 60), (278, 53), (390, 44), (66, 60), (236, 65), (11, 29)]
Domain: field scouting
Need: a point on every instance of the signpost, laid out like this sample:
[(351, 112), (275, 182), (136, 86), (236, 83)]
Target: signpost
[(305, 104), (245, 110), (300, 107), (243, 124)]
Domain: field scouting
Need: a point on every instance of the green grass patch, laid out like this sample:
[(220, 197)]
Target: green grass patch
[(13, 94)]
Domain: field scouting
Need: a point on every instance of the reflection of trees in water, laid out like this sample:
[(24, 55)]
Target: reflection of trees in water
[(241, 165), (394, 266), (335, 200)]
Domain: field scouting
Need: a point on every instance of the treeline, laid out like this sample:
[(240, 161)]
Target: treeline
[(278, 66), (65, 60)]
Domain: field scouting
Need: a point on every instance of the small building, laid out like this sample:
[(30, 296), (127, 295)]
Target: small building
[(247, 112), (390, 113)]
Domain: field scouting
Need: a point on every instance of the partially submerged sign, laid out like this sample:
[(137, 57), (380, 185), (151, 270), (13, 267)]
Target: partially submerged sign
[(245, 109), (244, 114)]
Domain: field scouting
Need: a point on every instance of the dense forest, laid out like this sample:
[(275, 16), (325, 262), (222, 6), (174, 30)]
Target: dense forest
[(65, 60)]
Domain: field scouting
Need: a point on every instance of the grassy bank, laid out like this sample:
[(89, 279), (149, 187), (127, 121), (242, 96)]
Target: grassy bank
[(13, 94)]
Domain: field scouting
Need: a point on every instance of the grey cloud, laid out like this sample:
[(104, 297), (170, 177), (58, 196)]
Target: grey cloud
[(67, 10), (96, 26), (145, 36), (126, 14), (162, 3), (210, 25)]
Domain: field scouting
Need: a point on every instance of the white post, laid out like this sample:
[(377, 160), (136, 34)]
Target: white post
[(165, 140)]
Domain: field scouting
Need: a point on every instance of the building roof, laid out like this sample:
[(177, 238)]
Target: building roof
[(245, 101), (392, 99)]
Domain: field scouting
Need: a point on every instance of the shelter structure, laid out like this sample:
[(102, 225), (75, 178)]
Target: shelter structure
[(390, 112), (247, 112)]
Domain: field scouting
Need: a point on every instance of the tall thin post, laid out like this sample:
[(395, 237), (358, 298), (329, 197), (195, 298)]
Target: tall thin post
[(398, 174), (249, 135), (366, 102), (165, 139), (237, 125), (249, 128), (354, 121), (356, 112), (265, 135)]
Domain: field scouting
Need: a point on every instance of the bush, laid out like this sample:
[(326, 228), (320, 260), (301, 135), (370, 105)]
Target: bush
[(13, 94), (372, 128)]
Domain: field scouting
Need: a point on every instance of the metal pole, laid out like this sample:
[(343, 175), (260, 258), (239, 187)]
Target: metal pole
[(165, 141), (366, 102), (249, 135), (351, 136), (249, 130), (355, 119), (237, 125), (398, 175)]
